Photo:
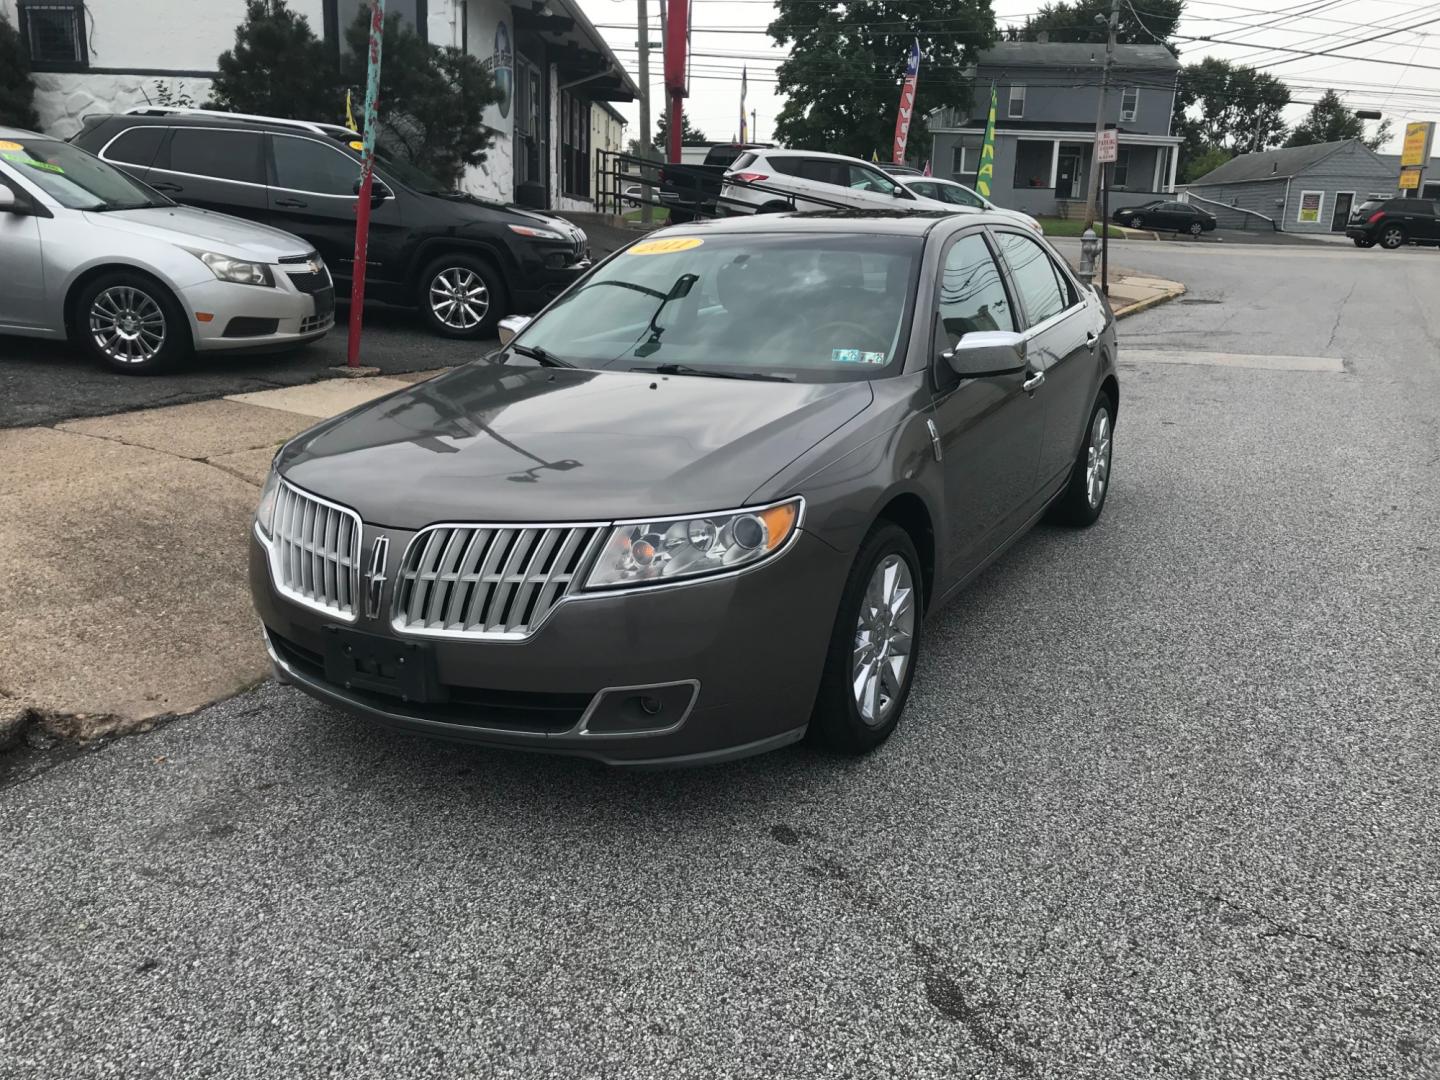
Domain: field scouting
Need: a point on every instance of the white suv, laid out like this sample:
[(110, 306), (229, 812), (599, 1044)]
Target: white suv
[(784, 176)]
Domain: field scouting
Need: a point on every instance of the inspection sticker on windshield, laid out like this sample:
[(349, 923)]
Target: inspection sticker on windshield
[(856, 356), (665, 247), (6, 144)]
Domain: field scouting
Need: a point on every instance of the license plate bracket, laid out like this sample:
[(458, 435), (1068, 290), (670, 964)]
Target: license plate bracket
[(400, 669)]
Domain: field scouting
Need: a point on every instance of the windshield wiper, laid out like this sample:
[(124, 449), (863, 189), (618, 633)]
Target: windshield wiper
[(539, 355), (711, 373)]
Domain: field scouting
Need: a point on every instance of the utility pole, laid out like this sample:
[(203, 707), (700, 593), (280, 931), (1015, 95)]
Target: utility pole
[(642, 22), (1092, 184)]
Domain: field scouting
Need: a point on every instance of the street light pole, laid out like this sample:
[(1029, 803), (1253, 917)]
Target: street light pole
[(1092, 184), (642, 22)]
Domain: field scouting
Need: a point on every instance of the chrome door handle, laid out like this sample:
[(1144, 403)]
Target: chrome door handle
[(1033, 382), (1091, 340)]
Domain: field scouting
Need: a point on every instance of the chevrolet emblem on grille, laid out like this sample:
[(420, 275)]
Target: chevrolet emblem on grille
[(375, 577)]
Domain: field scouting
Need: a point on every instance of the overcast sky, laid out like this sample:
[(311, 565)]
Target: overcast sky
[(1400, 75)]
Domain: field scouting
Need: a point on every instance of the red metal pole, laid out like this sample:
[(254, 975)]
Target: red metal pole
[(676, 121), (367, 176)]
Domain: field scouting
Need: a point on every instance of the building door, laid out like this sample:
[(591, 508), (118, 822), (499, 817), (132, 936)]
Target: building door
[(1067, 177), (1343, 201), (531, 188)]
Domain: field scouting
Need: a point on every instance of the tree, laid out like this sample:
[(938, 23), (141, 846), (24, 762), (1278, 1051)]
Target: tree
[(1331, 120), (1088, 20), (1229, 107), (17, 89), (278, 67), (1203, 163), (841, 80), (432, 99), (689, 134)]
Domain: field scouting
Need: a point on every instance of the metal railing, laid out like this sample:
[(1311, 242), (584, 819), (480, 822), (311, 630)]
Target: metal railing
[(1237, 209), (624, 182)]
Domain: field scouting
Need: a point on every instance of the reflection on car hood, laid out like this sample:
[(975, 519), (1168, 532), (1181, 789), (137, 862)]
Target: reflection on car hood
[(498, 443), (193, 228), (466, 205)]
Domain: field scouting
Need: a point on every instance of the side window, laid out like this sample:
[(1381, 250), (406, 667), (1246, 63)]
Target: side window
[(823, 171), (223, 155), (921, 188), (137, 146), (1035, 278), (307, 165), (960, 197), (790, 166), (741, 162), (972, 293), (863, 179)]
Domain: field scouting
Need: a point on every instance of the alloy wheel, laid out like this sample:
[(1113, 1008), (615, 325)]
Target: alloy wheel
[(1136, 222), (1097, 458), (1392, 238), (884, 640), (1196, 229), (459, 298), (127, 325)]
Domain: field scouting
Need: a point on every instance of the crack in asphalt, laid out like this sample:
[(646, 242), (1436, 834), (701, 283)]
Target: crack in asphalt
[(1288, 930), (1339, 314)]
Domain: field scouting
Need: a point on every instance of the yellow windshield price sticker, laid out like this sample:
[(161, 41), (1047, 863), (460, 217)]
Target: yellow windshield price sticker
[(6, 144), (666, 247), (356, 144)]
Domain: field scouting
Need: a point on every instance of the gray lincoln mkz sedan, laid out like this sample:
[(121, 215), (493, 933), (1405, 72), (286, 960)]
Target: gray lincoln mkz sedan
[(701, 504)]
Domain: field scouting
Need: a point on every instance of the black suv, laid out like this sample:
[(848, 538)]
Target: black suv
[(1393, 223), (463, 262)]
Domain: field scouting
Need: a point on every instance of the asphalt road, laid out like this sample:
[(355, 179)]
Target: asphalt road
[(1163, 804)]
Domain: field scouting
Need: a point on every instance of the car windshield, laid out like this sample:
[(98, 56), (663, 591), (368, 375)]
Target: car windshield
[(807, 307), (75, 179), (959, 196)]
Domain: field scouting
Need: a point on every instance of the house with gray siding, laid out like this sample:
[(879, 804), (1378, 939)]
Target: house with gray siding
[(1047, 96), (1298, 188)]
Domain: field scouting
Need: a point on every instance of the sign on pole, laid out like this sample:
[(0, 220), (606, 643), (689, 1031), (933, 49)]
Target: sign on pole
[(1107, 146), (1410, 179), (907, 104), (367, 176), (1416, 150)]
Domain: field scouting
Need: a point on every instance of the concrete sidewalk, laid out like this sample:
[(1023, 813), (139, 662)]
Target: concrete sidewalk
[(123, 550)]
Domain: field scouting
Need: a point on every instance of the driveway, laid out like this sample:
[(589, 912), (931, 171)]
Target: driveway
[(1163, 805)]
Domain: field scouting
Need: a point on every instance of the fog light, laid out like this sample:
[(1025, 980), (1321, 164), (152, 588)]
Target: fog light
[(640, 710)]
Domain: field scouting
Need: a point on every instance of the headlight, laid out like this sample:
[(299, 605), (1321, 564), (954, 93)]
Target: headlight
[(265, 512), (644, 553), (241, 273), (538, 234)]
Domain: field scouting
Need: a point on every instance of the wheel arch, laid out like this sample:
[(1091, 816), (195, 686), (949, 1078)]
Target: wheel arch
[(437, 247), (1111, 387), (90, 273), (908, 510)]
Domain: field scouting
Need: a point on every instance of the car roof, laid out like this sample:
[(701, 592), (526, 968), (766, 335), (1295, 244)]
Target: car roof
[(878, 222), (817, 154), (170, 117)]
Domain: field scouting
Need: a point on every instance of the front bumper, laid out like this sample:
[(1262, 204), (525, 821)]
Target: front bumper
[(544, 281), (254, 316), (752, 644)]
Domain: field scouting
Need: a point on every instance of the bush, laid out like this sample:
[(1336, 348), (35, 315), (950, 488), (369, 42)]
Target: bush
[(432, 99), (17, 89), (278, 67)]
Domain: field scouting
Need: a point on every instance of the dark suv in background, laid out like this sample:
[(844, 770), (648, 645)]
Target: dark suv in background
[(465, 263), (1393, 223)]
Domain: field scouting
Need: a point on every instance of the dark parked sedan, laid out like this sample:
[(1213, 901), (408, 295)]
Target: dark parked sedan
[(1159, 214), (701, 504)]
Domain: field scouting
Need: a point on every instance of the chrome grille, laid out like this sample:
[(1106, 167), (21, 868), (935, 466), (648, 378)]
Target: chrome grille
[(488, 580), (316, 552)]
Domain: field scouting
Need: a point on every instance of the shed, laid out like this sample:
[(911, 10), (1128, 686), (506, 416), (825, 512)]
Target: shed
[(1302, 188)]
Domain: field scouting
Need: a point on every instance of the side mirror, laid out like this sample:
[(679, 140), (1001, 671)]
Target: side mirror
[(986, 352), (510, 326), (8, 203), (899, 192)]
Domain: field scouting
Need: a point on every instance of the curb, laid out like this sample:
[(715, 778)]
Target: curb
[(1149, 302)]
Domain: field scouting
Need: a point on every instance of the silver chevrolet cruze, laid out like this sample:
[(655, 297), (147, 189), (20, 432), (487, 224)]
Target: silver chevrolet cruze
[(135, 279)]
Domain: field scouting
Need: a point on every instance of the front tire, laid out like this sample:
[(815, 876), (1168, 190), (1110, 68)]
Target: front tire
[(462, 297), (1083, 499), (1392, 237), (1136, 221), (874, 646), (1196, 229), (130, 323)]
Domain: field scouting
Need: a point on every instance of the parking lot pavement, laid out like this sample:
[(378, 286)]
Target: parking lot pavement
[(44, 382), (1162, 806)]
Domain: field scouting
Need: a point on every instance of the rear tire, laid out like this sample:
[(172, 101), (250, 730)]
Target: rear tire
[(1392, 237), (875, 631), (1083, 499), (1196, 228), (130, 323), (461, 296)]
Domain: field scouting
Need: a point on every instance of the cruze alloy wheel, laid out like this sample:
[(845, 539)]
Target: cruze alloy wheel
[(127, 325)]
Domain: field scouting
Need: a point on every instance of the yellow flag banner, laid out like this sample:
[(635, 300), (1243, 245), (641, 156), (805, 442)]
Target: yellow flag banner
[(349, 113), (987, 151)]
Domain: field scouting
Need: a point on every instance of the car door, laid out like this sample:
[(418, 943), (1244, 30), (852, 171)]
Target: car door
[(22, 254), (1063, 335), (212, 168), (989, 429), (312, 194), (872, 189), (828, 179)]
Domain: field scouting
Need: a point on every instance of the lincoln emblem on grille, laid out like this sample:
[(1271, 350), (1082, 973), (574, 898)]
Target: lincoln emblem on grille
[(375, 576)]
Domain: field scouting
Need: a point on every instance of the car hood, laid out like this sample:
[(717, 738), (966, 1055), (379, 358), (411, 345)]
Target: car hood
[(491, 442), (193, 228), (470, 208)]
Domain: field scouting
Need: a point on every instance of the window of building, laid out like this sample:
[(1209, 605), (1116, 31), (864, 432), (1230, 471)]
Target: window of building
[(972, 293), (221, 155), (1017, 101), (310, 166), (1120, 171), (574, 144), (1129, 103), (965, 161), (54, 34)]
